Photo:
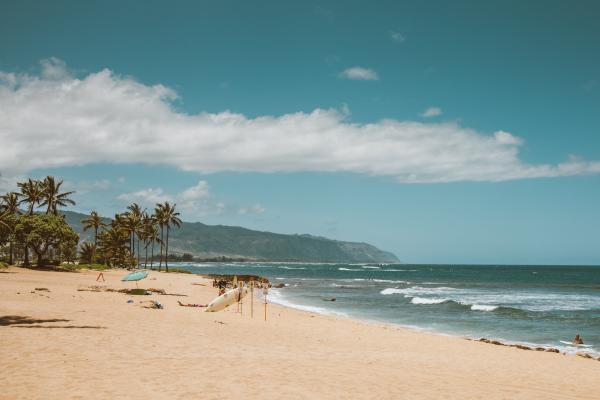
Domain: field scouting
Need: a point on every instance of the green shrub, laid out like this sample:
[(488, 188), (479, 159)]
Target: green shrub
[(76, 267)]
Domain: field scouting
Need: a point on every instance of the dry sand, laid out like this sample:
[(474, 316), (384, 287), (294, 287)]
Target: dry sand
[(66, 343)]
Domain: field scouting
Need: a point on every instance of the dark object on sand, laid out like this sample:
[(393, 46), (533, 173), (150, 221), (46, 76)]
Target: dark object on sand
[(279, 286), (331, 299), (190, 304), (154, 304), (137, 292)]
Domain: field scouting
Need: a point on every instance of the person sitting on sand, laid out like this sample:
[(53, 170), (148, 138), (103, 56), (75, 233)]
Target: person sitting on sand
[(577, 339)]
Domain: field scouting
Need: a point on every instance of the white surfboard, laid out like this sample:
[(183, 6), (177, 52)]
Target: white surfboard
[(226, 299), (575, 345)]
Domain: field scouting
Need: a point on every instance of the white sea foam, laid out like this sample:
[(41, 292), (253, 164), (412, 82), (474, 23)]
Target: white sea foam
[(276, 297), (391, 291), (483, 307), (398, 270), (347, 269), (284, 267), (423, 300), (369, 267), (391, 281)]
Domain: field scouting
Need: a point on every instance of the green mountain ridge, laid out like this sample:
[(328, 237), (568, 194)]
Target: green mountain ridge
[(210, 241)]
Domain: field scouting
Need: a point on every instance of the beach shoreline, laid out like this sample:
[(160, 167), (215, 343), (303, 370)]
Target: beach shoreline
[(96, 345), (498, 341)]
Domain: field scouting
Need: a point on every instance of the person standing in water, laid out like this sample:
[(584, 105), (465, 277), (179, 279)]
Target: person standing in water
[(577, 339)]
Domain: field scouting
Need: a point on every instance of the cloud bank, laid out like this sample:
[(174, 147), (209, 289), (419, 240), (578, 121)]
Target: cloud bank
[(57, 120), (195, 200)]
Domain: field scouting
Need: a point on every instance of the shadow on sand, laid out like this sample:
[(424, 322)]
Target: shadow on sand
[(19, 321)]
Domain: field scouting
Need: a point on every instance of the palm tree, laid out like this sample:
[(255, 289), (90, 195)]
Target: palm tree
[(93, 221), (10, 206), (87, 253), (52, 197), (153, 238), (145, 234), (113, 246), (135, 217), (168, 216), (159, 216), (31, 193)]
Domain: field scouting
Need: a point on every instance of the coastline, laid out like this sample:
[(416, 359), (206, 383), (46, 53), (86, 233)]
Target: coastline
[(96, 345), (497, 341)]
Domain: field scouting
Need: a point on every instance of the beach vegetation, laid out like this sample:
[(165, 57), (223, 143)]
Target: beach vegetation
[(166, 217), (51, 196), (94, 221), (44, 234), (31, 224), (80, 266)]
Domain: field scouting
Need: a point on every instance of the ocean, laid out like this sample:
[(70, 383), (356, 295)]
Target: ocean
[(532, 305)]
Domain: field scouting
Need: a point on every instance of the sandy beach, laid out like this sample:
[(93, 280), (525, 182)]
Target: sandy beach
[(67, 343)]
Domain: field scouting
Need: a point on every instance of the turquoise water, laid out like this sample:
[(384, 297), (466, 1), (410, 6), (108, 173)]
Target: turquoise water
[(538, 305)]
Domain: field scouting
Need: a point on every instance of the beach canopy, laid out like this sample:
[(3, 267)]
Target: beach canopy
[(135, 276)]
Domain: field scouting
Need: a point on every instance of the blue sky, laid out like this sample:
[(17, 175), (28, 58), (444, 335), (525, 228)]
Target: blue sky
[(446, 133)]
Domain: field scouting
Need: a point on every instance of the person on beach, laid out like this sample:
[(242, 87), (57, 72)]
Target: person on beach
[(577, 339)]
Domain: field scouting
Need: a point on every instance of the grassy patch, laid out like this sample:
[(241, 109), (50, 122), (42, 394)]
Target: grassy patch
[(76, 267)]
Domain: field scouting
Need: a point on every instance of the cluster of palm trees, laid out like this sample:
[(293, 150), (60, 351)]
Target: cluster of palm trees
[(117, 243), (32, 194)]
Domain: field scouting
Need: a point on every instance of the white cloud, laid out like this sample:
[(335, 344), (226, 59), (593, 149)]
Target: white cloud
[(397, 37), (360, 74), (103, 117), (192, 202), (255, 209), (147, 197), (431, 112)]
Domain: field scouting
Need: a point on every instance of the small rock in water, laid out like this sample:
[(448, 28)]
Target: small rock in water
[(484, 340)]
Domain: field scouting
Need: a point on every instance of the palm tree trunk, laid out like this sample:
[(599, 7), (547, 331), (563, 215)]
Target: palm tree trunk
[(146, 258), (167, 251), (26, 260), (138, 251), (10, 251), (161, 247), (152, 256), (95, 244)]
